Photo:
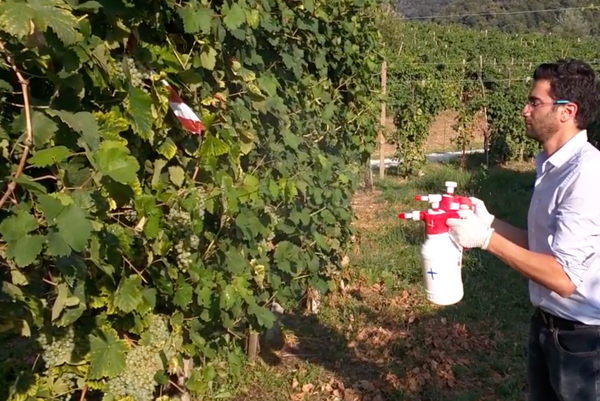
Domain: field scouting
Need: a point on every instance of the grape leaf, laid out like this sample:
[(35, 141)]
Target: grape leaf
[(71, 315), (26, 250), (152, 226), (18, 225), (56, 14), (26, 182), (265, 317), (253, 18), (91, 5), (82, 122), (177, 175), (74, 227), (235, 17), (61, 300), (148, 301), (139, 105), (51, 207), (213, 146), (208, 58), (168, 149), (204, 295), (107, 354), (196, 18), (268, 83), (57, 246), (18, 278), (5, 87), (158, 166), (183, 296), (110, 125), (129, 293), (50, 156), (114, 161), (43, 128), (236, 263), (15, 17), (228, 297)]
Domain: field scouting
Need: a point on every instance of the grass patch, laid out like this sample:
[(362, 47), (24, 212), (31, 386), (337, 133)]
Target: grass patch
[(378, 338)]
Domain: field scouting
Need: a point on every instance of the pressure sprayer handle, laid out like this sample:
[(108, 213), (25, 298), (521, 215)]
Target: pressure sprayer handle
[(456, 215), (466, 201)]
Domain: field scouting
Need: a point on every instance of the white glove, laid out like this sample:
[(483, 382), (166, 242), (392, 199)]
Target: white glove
[(469, 231), (481, 211)]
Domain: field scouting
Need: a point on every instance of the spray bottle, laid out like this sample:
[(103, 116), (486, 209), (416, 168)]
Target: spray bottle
[(449, 200), (441, 257)]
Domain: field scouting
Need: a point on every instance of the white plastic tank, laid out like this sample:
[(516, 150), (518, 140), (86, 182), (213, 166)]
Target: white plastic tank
[(441, 257)]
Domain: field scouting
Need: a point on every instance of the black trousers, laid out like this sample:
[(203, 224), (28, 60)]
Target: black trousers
[(564, 360)]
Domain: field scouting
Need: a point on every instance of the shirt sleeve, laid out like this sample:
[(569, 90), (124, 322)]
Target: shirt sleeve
[(576, 241)]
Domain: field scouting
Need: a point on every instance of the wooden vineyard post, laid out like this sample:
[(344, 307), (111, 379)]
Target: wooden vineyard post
[(512, 62), (382, 121), (368, 176), (486, 137), (252, 346)]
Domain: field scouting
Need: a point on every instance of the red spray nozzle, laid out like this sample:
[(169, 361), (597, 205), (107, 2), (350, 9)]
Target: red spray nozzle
[(416, 215)]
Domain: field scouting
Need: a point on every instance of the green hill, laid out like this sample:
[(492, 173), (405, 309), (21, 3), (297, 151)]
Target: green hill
[(573, 18)]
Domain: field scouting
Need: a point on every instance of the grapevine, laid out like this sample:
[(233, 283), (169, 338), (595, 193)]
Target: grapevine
[(432, 68), (139, 255)]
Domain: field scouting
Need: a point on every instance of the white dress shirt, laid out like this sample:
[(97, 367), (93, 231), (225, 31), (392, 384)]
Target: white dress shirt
[(564, 221)]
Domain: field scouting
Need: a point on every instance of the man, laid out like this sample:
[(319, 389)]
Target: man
[(558, 251)]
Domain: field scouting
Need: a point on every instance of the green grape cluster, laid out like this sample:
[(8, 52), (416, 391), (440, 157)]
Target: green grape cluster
[(194, 241), (180, 222), (137, 379), (59, 349), (184, 256), (136, 72), (201, 202), (158, 332), (274, 221), (130, 215), (183, 247)]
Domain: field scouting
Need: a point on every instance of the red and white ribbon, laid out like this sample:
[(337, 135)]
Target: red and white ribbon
[(186, 116)]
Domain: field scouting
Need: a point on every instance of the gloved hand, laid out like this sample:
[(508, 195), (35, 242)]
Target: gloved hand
[(481, 211), (470, 231)]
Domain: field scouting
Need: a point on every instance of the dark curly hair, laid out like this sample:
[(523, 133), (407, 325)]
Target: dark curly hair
[(575, 81)]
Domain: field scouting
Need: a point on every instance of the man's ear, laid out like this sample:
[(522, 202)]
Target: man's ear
[(569, 112)]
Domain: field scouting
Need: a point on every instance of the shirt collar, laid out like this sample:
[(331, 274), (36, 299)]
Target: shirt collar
[(562, 155)]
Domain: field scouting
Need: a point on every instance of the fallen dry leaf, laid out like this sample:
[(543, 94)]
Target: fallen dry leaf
[(351, 395), (307, 388)]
